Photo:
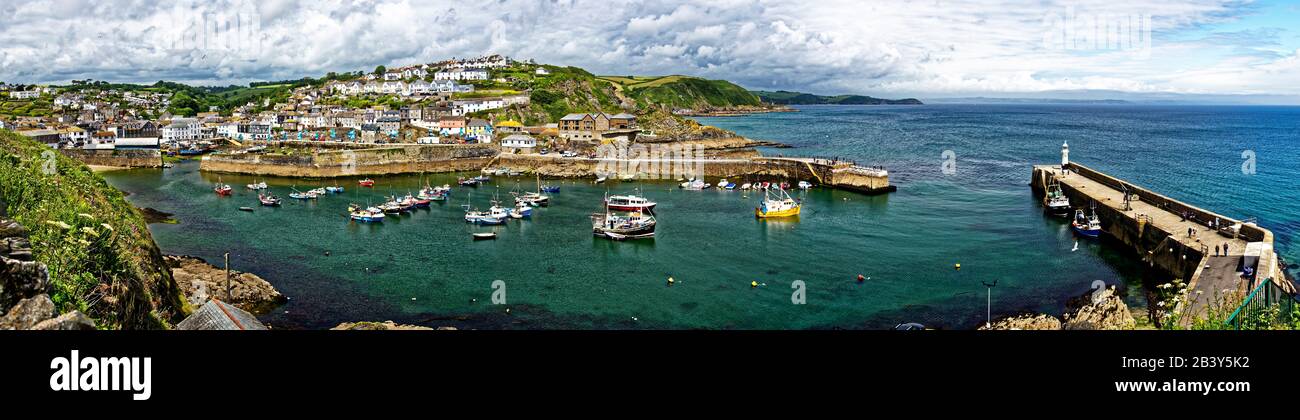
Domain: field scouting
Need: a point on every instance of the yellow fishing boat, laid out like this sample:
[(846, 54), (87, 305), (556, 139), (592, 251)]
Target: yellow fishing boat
[(779, 204)]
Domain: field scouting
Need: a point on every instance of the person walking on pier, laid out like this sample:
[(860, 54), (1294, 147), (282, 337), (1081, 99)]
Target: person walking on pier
[(1216, 250), (1225, 249)]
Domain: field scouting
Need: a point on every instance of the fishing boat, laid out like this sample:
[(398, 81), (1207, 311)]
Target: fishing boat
[(482, 179), (319, 191), (258, 186), (419, 203), (495, 215), (629, 203), (248, 209), (778, 204), (467, 182), (302, 195), (632, 225), (627, 177), (369, 214), (746, 186), (1086, 225), (269, 200), (366, 182), (803, 185), (600, 180), (222, 189), (396, 206), (723, 184), (535, 199), (334, 190), (731, 186), (1055, 201), (484, 235), (521, 211), (548, 188)]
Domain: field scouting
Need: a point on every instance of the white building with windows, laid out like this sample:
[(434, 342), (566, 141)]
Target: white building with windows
[(519, 141), (25, 94), (461, 74), (182, 129)]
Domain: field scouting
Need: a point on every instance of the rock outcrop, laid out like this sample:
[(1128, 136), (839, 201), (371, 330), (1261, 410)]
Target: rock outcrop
[(201, 282), (383, 326), (1103, 311), (1025, 322), (25, 286)]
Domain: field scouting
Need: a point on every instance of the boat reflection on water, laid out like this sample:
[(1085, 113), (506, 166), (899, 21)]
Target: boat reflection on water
[(778, 226)]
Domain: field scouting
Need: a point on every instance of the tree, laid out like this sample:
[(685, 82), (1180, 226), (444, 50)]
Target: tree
[(380, 70)]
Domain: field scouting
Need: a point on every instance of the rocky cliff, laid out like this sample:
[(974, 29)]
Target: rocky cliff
[(98, 252)]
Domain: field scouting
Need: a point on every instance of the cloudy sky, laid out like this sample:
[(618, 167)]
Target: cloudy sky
[(927, 49)]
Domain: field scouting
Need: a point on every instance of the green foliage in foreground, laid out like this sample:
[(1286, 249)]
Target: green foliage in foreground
[(101, 257)]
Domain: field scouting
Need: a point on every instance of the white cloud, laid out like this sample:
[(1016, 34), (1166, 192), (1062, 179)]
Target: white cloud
[(888, 48)]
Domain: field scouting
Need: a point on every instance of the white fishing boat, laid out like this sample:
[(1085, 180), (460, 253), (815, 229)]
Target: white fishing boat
[(369, 214), (258, 186), (1055, 201), (803, 185)]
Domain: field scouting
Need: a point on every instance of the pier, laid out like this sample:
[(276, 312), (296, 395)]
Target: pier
[(1157, 227)]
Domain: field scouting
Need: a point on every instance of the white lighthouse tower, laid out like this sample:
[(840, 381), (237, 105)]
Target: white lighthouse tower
[(1065, 157)]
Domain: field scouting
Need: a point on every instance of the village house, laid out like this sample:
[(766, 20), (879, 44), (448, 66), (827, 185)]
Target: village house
[(102, 140), (461, 74), (508, 127), (389, 124), (476, 105), (451, 126), (593, 127), (25, 94), (137, 134), (73, 136), (479, 129), (542, 71), (522, 142)]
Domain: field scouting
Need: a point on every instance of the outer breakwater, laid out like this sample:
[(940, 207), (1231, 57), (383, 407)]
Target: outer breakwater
[(1157, 227)]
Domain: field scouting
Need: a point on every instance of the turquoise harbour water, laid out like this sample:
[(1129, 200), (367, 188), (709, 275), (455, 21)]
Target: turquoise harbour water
[(425, 269)]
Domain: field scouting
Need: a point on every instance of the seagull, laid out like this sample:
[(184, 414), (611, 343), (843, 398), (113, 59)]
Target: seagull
[(1076, 246)]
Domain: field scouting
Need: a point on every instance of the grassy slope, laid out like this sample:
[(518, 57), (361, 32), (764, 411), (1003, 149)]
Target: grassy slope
[(101, 256), (683, 92)]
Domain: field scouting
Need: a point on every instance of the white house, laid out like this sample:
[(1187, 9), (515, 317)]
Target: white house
[(473, 106), (461, 74), (24, 94), (519, 141), (542, 71)]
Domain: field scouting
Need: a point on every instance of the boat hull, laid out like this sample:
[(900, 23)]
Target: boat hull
[(758, 212)]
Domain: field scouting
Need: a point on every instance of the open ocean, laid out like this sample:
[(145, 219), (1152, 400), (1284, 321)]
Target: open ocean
[(425, 269)]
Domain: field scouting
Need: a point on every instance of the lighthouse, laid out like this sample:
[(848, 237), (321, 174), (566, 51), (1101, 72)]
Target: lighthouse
[(1065, 157)]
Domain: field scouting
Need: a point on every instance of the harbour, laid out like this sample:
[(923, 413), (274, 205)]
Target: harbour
[(903, 244)]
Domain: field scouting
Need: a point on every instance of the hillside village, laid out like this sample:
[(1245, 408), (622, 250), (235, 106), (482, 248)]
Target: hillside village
[(521, 106)]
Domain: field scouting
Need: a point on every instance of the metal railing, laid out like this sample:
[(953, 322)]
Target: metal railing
[(1268, 306)]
